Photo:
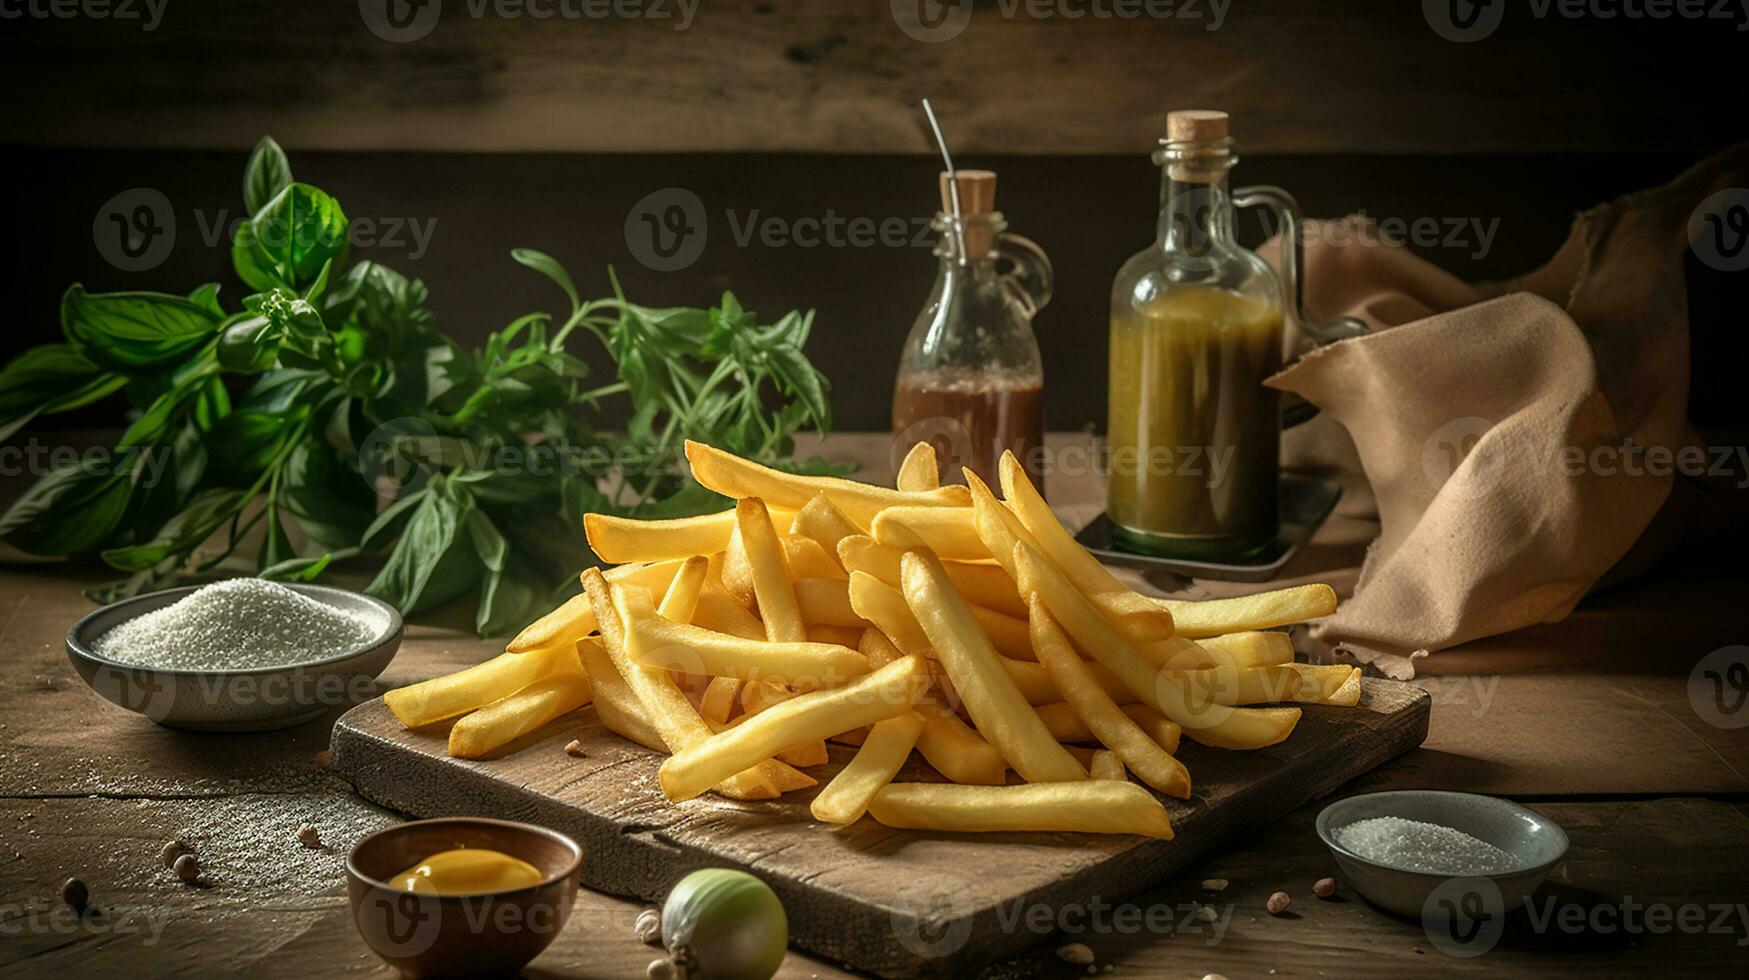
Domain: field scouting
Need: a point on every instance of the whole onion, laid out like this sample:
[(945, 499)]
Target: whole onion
[(720, 924)]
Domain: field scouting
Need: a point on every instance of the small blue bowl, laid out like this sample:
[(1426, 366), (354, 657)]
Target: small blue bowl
[(1536, 843)]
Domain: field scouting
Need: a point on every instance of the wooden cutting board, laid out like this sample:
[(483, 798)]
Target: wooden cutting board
[(893, 902)]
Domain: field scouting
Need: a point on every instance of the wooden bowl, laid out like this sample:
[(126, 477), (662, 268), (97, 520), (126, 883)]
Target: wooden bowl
[(484, 934)]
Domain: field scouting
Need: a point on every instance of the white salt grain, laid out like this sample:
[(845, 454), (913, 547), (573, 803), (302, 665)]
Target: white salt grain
[(1427, 847), (236, 624)]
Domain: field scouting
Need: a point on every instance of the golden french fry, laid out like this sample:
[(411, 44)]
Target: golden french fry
[(720, 612), (1063, 723), (1036, 685), (995, 703), (615, 704), (732, 476), (880, 651), (769, 568), (885, 607), (1163, 730), (1107, 765), (980, 585), (1091, 806), (844, 636), (762, 696), (919, 471), (737, 573), (806, 754), (1007, 634), (665, 705), (808, 560), (477, 686), (876, 602), (1251, 648), (681, 600), (1178, 653), (883, 753), (861, 553), (823, 524), (507, 719), (654, 642), (947, 531), (718, 702), (1113, 728), (885, 693), (956, 751), (1265, 610), (826, 602), (622, 539), (986, 585), (1327, 683), (1240, 685), (856, 736), (1219, 725), (1138, 617), (575, 619)]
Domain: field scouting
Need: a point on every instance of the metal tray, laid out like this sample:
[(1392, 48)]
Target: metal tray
[(1305, 504)]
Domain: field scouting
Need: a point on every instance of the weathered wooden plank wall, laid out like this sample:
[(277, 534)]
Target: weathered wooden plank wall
[(1014, 76)]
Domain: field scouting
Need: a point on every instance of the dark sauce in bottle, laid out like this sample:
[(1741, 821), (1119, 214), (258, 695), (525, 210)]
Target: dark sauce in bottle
[(971, 421)]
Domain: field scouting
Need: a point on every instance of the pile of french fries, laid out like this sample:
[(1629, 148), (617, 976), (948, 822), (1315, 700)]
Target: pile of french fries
[(936, 619)]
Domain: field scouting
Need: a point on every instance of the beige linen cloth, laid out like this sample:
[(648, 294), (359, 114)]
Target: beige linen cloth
[(1488, 426)]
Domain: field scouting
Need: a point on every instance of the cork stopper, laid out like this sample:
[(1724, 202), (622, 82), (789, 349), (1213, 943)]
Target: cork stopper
[(1197, 126), (977, 196)]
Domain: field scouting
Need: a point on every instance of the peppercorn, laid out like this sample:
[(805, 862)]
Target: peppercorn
[(186, 867), (75, 894)]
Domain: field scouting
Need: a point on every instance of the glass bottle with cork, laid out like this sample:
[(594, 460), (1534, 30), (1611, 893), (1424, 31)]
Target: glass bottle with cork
[(1196, 326), (970, 379)]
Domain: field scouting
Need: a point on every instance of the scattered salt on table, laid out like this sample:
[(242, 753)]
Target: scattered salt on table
[(236, 624), (1414, 845)]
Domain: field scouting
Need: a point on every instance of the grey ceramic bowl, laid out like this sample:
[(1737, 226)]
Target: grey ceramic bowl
[(253, 700), (1533, 839)]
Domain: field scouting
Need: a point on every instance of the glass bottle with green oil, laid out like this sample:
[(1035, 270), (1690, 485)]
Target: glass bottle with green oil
[(1196, 326)]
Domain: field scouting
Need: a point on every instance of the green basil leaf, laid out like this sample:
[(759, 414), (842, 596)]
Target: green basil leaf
[(431, 533), (548, 266), (207, 298), (48, 379), (798, 378), (511, 598), (71, 511), (135, 330), (290, 239), (488, 543), (166, 477), (327, 498), (267, 174), (249, 344), (298, 569), (252, 440), (204, 515)]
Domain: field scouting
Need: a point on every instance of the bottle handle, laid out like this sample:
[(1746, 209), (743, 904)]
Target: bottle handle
[(1031, 279), (1321, 332)]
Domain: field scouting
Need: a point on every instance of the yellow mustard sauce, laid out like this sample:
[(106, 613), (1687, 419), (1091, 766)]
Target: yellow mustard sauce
[(465, 870)]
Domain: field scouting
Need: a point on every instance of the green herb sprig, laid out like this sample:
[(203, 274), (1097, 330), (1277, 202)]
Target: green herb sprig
[(332, 401)]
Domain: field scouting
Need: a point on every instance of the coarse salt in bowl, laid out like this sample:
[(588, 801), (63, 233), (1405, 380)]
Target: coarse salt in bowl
[(238, 655), (1406, 849)]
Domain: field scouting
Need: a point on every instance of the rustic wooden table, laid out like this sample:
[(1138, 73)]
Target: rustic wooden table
[(1588, 721)]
